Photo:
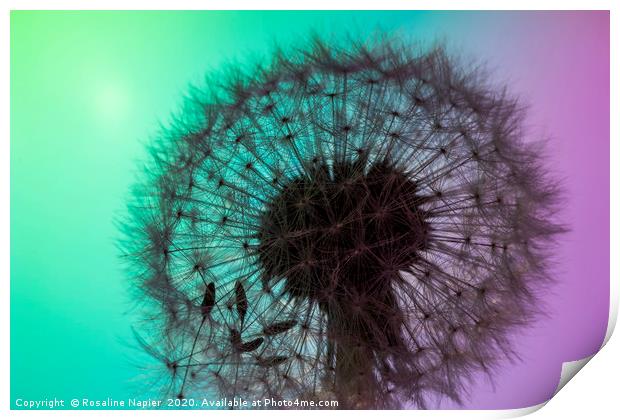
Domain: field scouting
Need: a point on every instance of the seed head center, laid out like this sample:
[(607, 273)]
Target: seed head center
[(343, 231)]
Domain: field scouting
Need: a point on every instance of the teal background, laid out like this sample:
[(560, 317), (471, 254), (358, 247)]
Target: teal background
[(89, 89)]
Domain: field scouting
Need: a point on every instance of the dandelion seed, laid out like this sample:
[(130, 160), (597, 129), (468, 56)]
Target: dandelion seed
[(370, 218)]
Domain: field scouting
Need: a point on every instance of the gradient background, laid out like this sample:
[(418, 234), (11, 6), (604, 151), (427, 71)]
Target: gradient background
[(88, 89)]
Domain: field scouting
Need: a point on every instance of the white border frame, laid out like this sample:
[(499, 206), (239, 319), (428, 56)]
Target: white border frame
[(569, 369)]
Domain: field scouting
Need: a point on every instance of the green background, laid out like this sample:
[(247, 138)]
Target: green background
[(88, 90)]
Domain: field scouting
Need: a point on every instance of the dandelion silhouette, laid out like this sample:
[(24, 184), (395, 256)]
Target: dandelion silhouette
[(361, 224)]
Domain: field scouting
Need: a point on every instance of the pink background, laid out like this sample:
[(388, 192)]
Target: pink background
[(558, 62)]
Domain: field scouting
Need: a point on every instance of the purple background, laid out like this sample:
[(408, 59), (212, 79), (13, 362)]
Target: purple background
[(558, 62), (88, 88)]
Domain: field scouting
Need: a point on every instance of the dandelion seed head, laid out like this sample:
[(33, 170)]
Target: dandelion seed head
[(363, 224)]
